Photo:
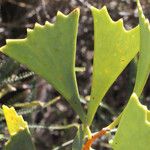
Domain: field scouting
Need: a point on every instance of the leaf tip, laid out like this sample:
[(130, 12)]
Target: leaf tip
[(134, 96), (47, 23), (29, 30), (14, 121), (103, 9), (60, 14), (77, 10), (37, 26)]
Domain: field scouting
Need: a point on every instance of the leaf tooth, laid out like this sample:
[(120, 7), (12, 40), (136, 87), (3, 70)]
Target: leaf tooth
[(74, 12), (47, 23), (105, 10), (29, 30), (37, 25), (135, 98), (60, 14), (62, 17), (120, 24), (142, 107), (104, 13)]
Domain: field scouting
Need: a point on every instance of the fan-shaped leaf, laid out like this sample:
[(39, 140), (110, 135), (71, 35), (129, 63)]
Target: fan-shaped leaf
[(18, 129), (49, 51), (114, 48), (134, 129)]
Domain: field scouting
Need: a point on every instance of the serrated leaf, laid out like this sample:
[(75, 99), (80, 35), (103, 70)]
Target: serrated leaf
[(135, 122), (114, 48), (134, 129), (78, 140), (20, 138), (143, 68), (49, 51), (15, 122)]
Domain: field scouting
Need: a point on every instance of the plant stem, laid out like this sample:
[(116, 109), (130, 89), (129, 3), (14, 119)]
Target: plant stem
[(94, 137), (101, 133), (88, 132), (51, 102), (115, 122), (56, 127)]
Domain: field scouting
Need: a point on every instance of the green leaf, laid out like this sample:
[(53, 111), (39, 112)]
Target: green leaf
[(134, 129), (20, 141), (78, 140), (114, 48), (20, 138), (143, 68), (49, 51)]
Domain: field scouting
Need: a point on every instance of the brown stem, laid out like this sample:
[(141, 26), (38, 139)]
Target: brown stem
[(89, 142)]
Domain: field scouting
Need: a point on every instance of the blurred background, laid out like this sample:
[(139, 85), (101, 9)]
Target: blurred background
[(53, 127)]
